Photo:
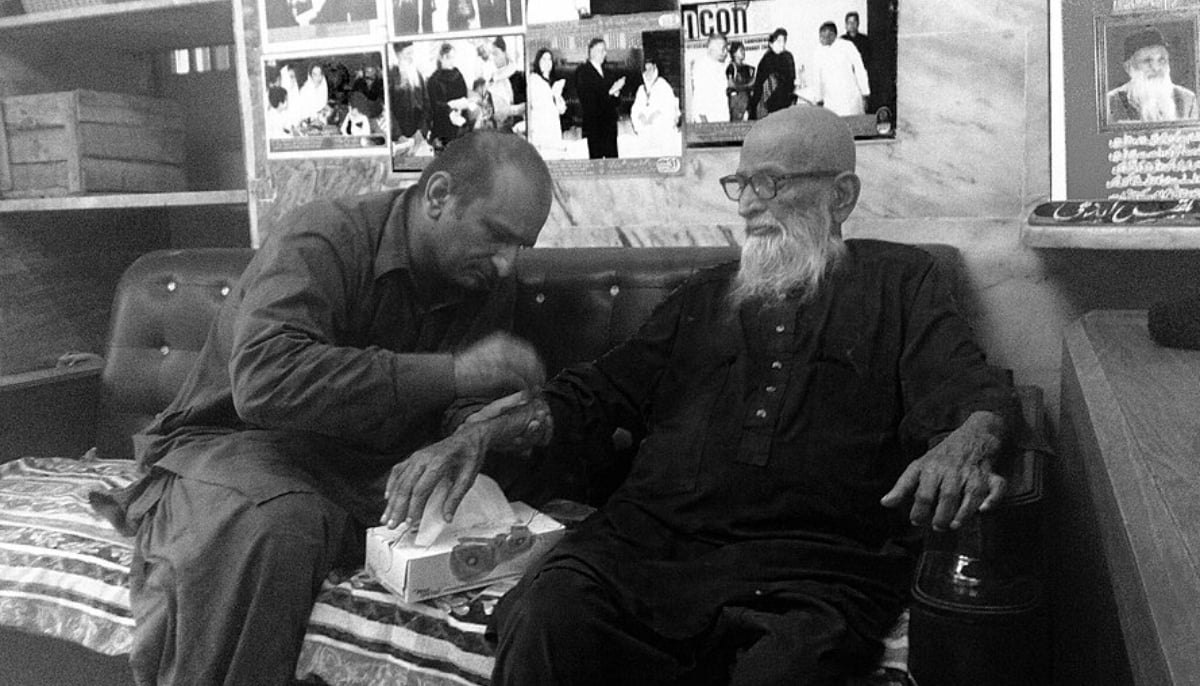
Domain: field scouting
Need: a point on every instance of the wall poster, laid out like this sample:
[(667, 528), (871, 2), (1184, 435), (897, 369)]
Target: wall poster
[(307, 24), (744, 59), (620, 87), (325, 103), (1125, 126), (443, 87), (604, 93)]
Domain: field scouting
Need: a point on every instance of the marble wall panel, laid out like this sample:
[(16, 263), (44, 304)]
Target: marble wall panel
[(972, 18), (1037, 114), (692, 198), (960, 129)]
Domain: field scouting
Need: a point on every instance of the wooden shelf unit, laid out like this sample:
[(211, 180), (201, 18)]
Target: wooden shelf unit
[(125, 201), (65, 253)]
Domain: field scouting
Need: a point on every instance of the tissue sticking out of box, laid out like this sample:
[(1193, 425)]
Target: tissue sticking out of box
[(483, 506), (472, 551)]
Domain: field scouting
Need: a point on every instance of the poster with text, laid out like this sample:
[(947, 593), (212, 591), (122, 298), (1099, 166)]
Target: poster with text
[(745, 59), (1125, 122)]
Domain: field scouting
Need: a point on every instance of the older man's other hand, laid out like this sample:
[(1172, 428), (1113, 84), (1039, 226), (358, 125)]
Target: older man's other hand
[(497, 365), (955, 479)]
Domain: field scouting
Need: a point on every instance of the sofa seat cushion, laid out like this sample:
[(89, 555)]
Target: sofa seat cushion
[(64, 572)]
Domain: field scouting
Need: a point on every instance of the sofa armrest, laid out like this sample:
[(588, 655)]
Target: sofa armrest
[(978, 611), (49, 412)]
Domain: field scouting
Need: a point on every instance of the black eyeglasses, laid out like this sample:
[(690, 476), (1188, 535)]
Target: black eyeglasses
[(765, 185)]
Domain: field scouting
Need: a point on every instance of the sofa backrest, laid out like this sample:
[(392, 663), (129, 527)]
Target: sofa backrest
[(572, 304), (164, 304)]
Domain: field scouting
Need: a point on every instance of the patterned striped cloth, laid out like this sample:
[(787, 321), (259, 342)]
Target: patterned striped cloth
[(64, 572)]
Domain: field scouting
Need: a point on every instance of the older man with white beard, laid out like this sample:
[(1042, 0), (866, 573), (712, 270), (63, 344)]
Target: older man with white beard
[(1149, 95), (798, 414)]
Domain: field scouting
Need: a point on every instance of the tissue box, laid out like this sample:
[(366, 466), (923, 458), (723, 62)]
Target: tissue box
[(474, 558)]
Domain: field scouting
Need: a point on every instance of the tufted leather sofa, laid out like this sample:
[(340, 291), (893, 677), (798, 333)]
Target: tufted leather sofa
[(573, 304)]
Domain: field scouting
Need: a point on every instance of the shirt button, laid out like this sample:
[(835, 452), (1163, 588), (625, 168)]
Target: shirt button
[(776, 365), (771, 389), (780, 328), (758, 591), (760, 413)]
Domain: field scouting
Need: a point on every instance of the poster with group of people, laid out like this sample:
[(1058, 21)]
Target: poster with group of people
[(745, 60), (597, 86)]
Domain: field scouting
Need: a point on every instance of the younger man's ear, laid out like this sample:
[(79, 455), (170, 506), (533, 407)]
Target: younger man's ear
[(437, 193)]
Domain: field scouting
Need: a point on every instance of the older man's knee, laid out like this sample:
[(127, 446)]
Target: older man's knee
[(548, 603)]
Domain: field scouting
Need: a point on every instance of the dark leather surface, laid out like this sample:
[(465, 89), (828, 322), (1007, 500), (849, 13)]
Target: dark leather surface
[(572, 303), (164, 304)]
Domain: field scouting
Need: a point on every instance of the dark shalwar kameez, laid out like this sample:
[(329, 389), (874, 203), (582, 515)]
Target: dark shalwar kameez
[(750, 522), (329, 363)]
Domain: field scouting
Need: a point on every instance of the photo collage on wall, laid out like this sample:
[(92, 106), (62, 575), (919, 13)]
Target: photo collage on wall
[(597, 86)]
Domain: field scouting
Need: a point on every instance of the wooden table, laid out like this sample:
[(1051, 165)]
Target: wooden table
[(1126, 577)]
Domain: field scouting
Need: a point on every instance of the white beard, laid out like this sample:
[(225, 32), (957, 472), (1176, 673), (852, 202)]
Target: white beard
[(1154, 98), (789, 262)]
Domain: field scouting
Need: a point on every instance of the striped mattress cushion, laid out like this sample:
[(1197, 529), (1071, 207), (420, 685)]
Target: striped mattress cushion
[(64, 572)]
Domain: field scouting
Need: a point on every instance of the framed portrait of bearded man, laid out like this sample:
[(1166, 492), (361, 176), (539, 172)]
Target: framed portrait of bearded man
[(1147, 71)]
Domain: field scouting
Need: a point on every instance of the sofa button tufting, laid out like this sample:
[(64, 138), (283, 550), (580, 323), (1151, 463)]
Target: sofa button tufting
[(540, 298), (165, 350), (614, 290), (224, 291), (171, 286)]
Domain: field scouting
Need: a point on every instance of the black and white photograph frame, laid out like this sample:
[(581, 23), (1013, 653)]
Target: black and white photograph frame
[(554, 11), (321, 104), (1147, 74), (423, 19), (746, 58), (441, 87), (621, 119), (292, 25)]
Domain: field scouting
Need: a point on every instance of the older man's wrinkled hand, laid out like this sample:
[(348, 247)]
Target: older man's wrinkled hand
[(955, 479)]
